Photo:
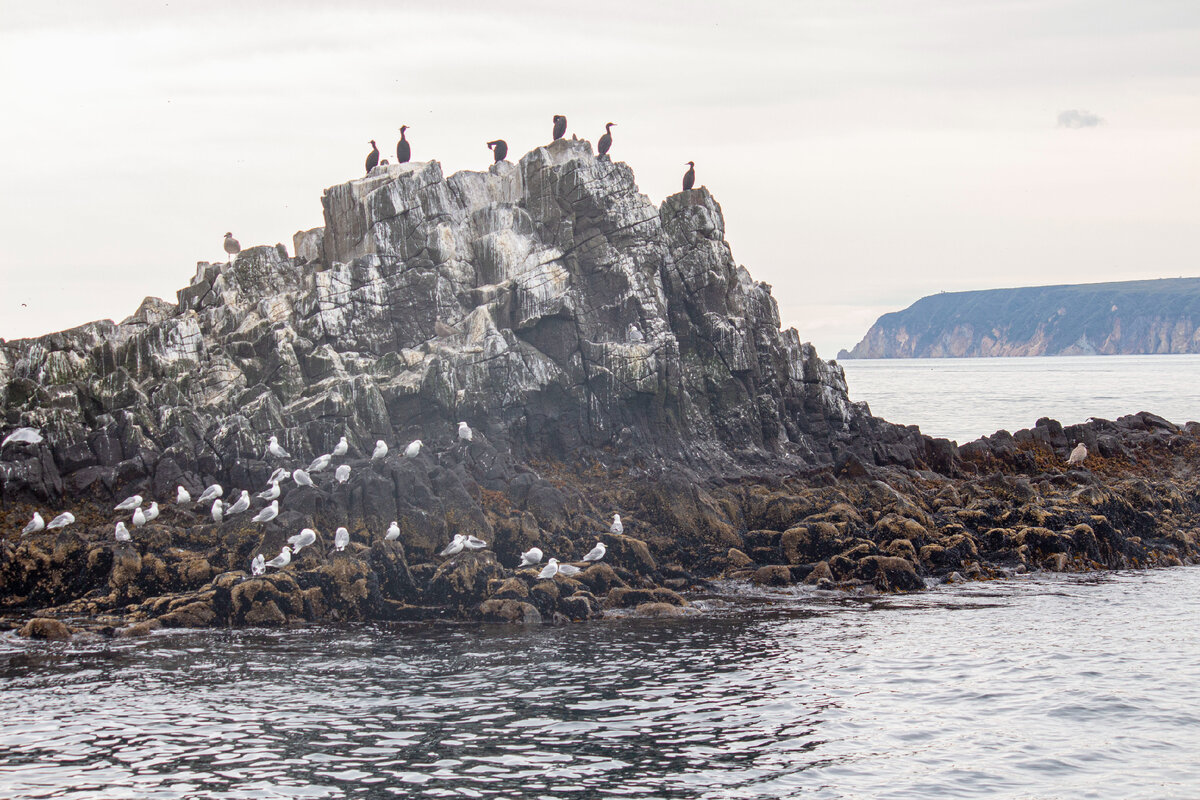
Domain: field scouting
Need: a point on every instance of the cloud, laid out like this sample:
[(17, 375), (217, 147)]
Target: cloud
[(1077, 118)]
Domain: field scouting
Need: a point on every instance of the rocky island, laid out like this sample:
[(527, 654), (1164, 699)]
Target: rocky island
[(609, 356)]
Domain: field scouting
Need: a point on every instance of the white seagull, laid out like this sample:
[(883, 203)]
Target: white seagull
[(473, 543), (342, 473), (530, 557), (380, 450), (129, 503), (218, 510), (1077, 455), (319, 463), (616, 526), (464, 432), (259, 565), (61, 521), (596, 553), (139, 517), (455, 547), (182, 495), (241, 505), (341, 448), (279, 475), (550, 570), (301, 478), (122, 533), (152, 512), (36, 523), (267, 514), (274, 448), (282, 560), (393, 532), (23, 436), (302, 539), (341, 539), (568, 570), (269, 494), (413, 450), (211, 493)]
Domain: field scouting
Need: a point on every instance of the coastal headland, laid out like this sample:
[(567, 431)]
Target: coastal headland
[(609, 356)]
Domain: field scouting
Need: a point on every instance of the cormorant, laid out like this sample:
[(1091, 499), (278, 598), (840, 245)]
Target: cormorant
[(560, 126), (373, 157), (689, 177), (232, 246), (605, 140), (403, 151), (499, 149)]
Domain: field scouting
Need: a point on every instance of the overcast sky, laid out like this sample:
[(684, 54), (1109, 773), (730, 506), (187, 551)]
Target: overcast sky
[(865, 153)]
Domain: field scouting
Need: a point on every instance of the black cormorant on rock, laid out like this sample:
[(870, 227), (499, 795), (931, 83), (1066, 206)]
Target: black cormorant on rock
[(232, 246), (560, 126), (373, 157), (689, 177), (499, 149), (605, 140), (403, 151)]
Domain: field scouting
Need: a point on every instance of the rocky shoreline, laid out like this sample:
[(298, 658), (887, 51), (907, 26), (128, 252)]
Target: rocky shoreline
[(611, 357)]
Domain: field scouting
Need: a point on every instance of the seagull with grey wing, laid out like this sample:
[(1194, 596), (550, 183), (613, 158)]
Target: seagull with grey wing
[(23, 436), (302, 539), (341, 539), (530, 557), (267, 514), (301, 478), (282, 560), (241, 505), (61, 521), (129, 503), (320, 462), (456, 545), (342, 473), (275, 449), (35, 524), (211, 493), (341, 448), (122, 533), (393, 532), (182, 495)]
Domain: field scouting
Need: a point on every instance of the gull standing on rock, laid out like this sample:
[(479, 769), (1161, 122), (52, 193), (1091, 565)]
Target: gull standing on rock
[(550, 570), (455, 547), (568, 570), (465, 433), (182, 495), (279, 475), (267, 514), (616, 526), (596, 553), (269, 494), (341, 448), (342, 473), (61, 521), (381, 450), (530, 557), (282, 560), (232, 246), (241, 505), (341, 539), (23, 436), (393, 532), (258, 565), (122, 533), (129, 503), (301, 478), (139, 518), (413, 450), (274, 448), (152, 512), (302, 539), (35, 524), (1077, 455), (218, 510), (211, 493), (473, 543), (319, 463)]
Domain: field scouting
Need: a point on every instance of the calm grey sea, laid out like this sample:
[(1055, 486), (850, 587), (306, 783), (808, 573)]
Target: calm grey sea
[(965, 398)]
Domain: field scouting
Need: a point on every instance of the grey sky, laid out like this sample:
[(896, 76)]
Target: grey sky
[(865, 154)]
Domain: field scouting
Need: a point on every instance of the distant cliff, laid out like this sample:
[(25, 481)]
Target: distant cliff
[(1127, 317)]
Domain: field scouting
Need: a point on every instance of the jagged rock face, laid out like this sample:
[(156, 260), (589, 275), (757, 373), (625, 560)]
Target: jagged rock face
[(547, 303)]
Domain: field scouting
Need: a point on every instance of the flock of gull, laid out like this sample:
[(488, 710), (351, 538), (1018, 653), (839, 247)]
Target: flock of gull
[(220, 511)]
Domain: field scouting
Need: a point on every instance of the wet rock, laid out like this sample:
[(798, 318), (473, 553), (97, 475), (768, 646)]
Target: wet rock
[(773, 575), (627, 597), (889, 574), (510, 611), (48, 629)]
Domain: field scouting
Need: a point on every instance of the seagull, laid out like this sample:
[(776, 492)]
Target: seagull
[(152, 512), (473, 543), (129, 503), (380, 450), (301, 478), (616, 526), (122, 533), (267, 514), (302, 539), (455, 547), (341, 448), (182, 495), (341, 539), (259, 565), (276, 450), (319, 463), (269, 494), (393, 532), (211, 493), (550, 570), (464, 432), (568, 570), (218, 512), (23, 436), (282, 560), (241, 505), (530, 557), (413, 450), (36, 523), (231, 245), (279, 475), (139, 517), (61, 521), (1077, 455), (342, 473), (596, 553)]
